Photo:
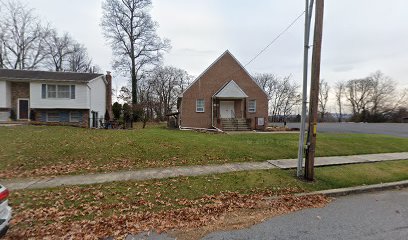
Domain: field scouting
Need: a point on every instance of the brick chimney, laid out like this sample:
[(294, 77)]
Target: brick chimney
[(109, 94)]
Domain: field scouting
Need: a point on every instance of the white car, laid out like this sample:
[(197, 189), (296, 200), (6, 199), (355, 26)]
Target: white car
[(5, 210)]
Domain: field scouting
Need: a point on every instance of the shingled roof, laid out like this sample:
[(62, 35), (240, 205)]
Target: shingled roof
[(8, 74)]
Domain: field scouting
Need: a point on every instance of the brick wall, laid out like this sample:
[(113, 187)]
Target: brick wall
[(19, 90), (220, 73)]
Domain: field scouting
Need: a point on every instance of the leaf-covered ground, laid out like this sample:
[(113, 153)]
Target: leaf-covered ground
[(199, 203), (45, 151)]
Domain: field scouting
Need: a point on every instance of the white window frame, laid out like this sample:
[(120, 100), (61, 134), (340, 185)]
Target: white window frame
[(59, 117), (200, 109), (253, 108), (48, 91), (75, 121), (65, 92), (57, 86)]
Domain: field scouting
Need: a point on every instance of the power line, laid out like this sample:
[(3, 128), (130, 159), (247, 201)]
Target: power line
[(265, 48), (276, 38)]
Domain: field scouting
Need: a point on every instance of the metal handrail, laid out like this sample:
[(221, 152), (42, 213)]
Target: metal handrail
[(232, 113)]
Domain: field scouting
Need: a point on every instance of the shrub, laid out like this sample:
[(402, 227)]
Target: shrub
[(13, 115), (127, 115), (117, 110), (32, 115)]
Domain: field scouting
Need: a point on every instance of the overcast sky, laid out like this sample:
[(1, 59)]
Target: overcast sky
[(360, 36)]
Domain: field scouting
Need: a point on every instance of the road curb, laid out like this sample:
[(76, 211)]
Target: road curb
[(360, 189)]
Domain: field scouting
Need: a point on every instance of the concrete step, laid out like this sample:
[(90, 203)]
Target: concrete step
[(237, 124), (236, 129)]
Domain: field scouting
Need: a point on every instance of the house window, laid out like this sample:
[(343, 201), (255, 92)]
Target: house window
[(200, 105), (75, 117), (252, 106), (52, 91), (53, 117), (60, 91), (63, 91)]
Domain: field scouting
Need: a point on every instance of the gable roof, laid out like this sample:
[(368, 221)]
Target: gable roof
[(11, 74), (231, 90), (218, 59)]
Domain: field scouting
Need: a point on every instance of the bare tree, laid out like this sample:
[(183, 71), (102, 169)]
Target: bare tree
[(23, 37), (399, 101), (292, 96), (78, 59), (358, 93), (323, 98), (58, 50), (283, 94), (168, 83), (125, 94), (339, 94), (2, 43), (383, 92), (158, 92), (132, 35), (372, 97), (266, 80), (147, 103)]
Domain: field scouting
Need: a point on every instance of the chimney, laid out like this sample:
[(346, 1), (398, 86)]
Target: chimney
[(109, 94)]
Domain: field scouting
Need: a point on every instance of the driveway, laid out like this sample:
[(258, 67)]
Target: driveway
[(394, 129)]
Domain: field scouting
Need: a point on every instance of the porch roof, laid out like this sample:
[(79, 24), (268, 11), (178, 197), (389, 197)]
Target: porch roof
[(231, 90)]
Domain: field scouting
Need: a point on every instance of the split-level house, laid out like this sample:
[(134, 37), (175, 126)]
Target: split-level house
[(224, 96), (54, 97)]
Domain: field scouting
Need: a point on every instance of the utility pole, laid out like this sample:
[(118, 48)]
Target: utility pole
[(308, 20), (314, 91)]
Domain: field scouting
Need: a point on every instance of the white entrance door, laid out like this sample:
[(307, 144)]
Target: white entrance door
[(227, 109)]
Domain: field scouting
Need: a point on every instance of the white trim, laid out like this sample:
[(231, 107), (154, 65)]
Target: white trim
[(18, 108), (226, 52), (234, 84)]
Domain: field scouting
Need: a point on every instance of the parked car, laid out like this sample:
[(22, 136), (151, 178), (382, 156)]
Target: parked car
[(5, 210)]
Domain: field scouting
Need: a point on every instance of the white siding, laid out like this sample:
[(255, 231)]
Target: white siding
[(5, 94), (81, 100), (98, 96)]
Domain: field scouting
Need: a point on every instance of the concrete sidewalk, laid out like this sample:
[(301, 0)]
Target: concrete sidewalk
[(342, 160), (145, 174), (137, 175)]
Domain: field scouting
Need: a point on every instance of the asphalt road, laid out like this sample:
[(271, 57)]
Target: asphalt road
[(368, 217), (394, 129), (373, 216)]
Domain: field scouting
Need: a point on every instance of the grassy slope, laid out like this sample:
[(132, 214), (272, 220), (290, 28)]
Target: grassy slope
[(30, 147), (123, 195)]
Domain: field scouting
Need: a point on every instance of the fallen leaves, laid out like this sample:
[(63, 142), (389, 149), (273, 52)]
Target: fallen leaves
[(121, 218), (66, 168)]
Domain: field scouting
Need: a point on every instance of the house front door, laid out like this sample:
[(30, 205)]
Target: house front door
[(23, 109), (227, 109)]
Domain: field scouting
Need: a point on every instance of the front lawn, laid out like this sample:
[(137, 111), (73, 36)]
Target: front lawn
[(186, 202), (39, 151)]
